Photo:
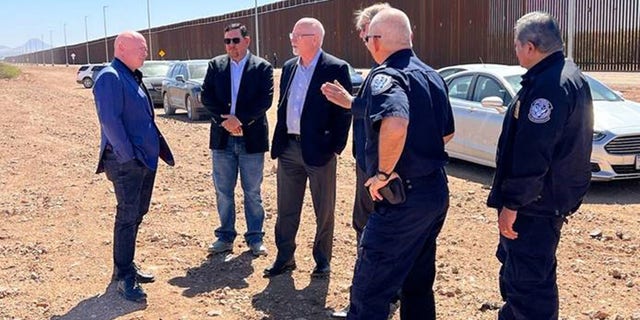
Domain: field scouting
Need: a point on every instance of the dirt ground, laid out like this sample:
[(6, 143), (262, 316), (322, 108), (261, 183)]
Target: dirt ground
[(57, 220)]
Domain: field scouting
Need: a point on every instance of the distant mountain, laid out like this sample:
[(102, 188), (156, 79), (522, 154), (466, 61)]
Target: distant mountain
[(29, 46)]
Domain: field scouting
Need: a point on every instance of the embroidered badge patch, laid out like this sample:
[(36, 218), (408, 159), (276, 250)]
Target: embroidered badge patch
[(540, 111), (380, 83)]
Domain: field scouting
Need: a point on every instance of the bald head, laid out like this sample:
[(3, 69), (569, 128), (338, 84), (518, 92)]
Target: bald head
[(131, 48), (306, 38), (393, 27), (314, 25)]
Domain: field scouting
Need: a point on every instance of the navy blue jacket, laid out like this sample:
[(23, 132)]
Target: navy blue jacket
[(324, 126), (403, 86), (544, 151), (255, 95), (126, 116)]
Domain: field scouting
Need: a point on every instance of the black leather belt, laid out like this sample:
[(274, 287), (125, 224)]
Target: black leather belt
[(295, 137)]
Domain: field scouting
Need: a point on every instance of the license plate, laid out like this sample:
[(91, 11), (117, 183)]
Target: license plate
[(638, 162)]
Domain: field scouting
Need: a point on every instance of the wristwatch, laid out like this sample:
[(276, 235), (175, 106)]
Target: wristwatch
[(382, 176)]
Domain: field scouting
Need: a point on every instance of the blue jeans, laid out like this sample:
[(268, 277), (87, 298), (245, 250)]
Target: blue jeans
[(133, 185), (226, 163)]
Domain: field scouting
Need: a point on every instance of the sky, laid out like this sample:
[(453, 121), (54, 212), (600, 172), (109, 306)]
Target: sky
[(21, 20)]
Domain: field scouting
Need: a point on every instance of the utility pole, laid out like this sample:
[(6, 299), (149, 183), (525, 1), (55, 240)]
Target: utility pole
[(106, 47), (571, 28), (42, 44), (149, 27), (66, 52), (86, 35), (257, 30), (51, 45)]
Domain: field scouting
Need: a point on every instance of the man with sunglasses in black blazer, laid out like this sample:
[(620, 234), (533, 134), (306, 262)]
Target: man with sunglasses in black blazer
[(238, 91)]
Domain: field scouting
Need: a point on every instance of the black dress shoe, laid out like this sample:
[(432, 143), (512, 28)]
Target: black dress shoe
[(131, 290), (143, 277), (321, 272), (279, 268)]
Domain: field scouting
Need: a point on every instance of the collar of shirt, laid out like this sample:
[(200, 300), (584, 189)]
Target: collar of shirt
[(313, 63), (242, 61), (398, 55), (543, 65), (136, 74)]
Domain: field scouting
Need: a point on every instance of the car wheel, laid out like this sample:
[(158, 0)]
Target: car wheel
[(168, 110), (87, 82), (191, 114)]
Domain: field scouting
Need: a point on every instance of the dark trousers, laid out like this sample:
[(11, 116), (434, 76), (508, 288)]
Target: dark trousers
[(133, 185), (398, 251), (292, 180), (528, 273), (362, 203)]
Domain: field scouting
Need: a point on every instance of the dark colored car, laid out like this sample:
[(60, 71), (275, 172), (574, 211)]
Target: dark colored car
[(153, 72), (356, 79), (182, 86)]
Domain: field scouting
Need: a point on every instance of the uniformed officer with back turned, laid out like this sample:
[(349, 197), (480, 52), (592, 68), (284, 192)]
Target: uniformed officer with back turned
[(406, 117), (543, 168)]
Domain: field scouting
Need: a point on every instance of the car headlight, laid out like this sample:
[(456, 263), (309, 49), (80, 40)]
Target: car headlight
[(598, 135)]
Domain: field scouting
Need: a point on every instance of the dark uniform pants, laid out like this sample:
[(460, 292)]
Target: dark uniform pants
[(292, 182), (398, 250), (528, 273), (362, 204), (133, 185)]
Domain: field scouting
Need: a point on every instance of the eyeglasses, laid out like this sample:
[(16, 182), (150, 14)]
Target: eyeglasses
[(369, 36), (297, 36), (234, 40)]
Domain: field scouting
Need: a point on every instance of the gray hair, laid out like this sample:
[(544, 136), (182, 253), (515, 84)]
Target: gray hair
[(541, 29), (364, 16)]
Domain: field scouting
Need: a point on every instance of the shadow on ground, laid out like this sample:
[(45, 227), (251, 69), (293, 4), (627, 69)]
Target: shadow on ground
[(218, 271), (280, 300), (107, 306)]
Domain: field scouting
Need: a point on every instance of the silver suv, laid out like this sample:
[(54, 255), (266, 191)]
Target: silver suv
[(86, 73)]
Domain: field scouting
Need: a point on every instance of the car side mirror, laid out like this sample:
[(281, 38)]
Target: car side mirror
[(619, 93), (494, 102), (180, 78)]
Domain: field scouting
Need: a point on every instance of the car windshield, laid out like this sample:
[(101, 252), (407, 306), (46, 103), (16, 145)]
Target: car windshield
[(599, 92), (514, 82), (154, 70), (198, 71)]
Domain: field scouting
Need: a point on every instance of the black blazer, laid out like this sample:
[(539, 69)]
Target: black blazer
[(254, 99), (324, 126)]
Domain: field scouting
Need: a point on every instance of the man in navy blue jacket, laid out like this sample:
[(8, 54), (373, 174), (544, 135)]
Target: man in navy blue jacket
[(543, 168), (129, 149)]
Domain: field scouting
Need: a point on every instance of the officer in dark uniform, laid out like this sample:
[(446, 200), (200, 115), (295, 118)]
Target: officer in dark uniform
[(543, 168), (406, 117)]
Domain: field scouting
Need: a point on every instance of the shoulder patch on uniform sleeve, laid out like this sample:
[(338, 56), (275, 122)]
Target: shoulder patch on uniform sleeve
[(540, 110), (380, 83)]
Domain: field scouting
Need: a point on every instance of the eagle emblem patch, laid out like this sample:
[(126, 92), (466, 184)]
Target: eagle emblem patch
[(380, 83), (540, 111)]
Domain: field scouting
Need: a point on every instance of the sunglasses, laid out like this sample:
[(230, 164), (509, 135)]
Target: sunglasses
[(234, 40), (367, 37)]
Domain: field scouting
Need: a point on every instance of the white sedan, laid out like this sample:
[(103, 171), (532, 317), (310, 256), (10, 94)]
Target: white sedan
[(480, 94)]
